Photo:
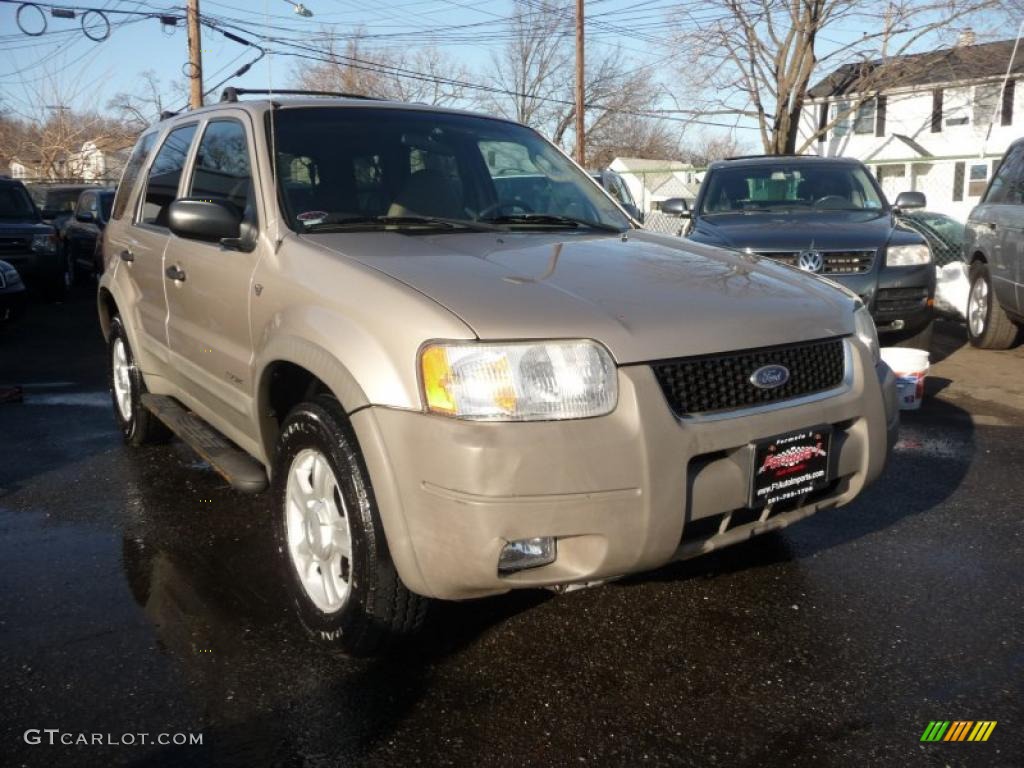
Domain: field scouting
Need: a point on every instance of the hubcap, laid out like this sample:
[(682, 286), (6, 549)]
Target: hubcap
[(316, 525), (977, 307), (122, 380)]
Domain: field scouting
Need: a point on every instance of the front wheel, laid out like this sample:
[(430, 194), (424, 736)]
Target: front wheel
[(988, 325), (332, 551)]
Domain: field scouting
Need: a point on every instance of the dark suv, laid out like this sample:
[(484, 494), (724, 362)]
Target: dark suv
[(27, 243), (828, 217)]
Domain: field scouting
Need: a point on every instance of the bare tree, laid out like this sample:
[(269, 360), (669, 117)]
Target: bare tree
[(143, 106), (424, 75), (535, 74), (706, 148), (756, 58)]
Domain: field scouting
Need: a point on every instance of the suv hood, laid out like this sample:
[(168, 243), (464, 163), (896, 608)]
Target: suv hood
[(10, 227), (832, 230), (645, 297)]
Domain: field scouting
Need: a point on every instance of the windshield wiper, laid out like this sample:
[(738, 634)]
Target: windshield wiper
[(554, 220), (347, 222)]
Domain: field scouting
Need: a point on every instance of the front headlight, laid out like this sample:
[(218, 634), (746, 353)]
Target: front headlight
[(519, 381), (44, 243), (907, 255), (864, 327)]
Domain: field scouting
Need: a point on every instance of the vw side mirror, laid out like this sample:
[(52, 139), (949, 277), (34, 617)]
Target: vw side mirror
[(675, 206), (906, 201)]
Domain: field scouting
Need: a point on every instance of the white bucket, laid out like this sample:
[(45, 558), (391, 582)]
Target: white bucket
[(911, 368)]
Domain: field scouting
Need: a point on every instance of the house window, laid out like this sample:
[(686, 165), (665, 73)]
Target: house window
[(958, 182), (864, 122), (986, 97), (978, 177), (1007, 111), (957, 103), (841, 116)]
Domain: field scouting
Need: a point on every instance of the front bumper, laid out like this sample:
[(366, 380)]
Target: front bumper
[(623, 493), (900, 299)]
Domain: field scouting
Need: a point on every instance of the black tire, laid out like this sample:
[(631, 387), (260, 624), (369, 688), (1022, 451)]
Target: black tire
[(998, 331), (378, 609), (921, 339), (140, 427)]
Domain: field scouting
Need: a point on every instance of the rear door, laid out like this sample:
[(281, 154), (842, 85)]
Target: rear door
[(208, 324), (148, 237), (999, 228)]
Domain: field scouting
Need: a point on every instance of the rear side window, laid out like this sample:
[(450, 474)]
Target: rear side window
[(165, 174), (222, 168), (132, 170), (1007, 186)]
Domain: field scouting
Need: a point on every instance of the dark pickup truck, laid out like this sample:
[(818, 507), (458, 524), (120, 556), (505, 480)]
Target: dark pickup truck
[(827, 216)]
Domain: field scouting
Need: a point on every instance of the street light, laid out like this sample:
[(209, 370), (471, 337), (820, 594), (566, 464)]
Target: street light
[(300, 9)]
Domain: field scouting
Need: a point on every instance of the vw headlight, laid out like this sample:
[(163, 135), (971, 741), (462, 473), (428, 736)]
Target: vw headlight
[(519, 381), (907, 255), (44, 243), (864, 327)]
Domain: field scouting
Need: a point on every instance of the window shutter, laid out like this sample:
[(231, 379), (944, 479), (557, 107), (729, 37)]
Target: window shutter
[(822, 121), (1007, 118), (880, 116), (937, 110), (958, 181)]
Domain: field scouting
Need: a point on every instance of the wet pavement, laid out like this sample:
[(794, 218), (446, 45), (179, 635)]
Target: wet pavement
[(137, 596)]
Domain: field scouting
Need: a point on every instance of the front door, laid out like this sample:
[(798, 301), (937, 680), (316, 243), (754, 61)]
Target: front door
[(208, 325)]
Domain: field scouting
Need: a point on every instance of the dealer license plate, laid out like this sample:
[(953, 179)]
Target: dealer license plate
[(791, 465)]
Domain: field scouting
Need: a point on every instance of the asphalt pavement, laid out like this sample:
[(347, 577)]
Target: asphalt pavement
[(137, 597)]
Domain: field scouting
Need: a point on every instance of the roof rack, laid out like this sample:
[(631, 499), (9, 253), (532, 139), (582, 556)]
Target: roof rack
[(167, 114), (760, 157), (232, 93)]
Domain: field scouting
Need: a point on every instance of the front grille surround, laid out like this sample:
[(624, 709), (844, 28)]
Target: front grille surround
[(718, 385), (841, 262)]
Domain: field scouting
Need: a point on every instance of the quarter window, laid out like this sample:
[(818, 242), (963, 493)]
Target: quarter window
[(165, 175)]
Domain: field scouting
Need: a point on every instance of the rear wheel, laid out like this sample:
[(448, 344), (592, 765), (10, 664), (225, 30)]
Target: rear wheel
[(988, 325), (138, 426), (333, 555)]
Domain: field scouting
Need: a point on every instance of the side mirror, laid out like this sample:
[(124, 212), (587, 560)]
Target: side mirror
[(205, 219), (675, 206), (906, 201), (86, 217)]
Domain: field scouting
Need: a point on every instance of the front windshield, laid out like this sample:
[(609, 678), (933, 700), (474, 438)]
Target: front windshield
[(800, 187), (375, 168), (59, 200), (15, 203)]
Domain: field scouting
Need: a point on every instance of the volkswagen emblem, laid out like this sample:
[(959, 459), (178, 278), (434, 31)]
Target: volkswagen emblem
[(770, 376), (811, 261)]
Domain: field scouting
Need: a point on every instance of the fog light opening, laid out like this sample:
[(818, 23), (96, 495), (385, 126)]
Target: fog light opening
[(521, 554)]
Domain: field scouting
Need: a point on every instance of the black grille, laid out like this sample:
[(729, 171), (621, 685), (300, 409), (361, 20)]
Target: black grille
[(722, 382), (900, 300), (835, 262)]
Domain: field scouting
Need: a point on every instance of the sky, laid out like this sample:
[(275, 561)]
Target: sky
[(468, 30)]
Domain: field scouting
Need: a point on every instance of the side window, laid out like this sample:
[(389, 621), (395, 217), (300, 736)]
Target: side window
[(222, 169), (1007, 185), (164, 175), (137, 160), (86, 202)]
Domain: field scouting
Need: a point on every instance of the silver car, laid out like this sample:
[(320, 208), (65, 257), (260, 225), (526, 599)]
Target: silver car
[(994, 249)]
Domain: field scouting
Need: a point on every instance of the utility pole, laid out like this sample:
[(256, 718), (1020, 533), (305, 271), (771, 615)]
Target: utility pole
[(581, 151), (195, 56)]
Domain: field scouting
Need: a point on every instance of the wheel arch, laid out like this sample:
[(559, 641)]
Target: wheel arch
[(107, 306)]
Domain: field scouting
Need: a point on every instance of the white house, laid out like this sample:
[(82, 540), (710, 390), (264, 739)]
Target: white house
[(935, 122), (653, 181)]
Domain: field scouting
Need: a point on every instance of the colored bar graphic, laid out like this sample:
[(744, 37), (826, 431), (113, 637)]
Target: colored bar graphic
[(958, 730)]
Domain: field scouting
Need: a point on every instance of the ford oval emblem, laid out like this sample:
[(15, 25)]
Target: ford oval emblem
[(770, 376)]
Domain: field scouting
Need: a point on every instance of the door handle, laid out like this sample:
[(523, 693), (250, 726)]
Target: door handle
[(127, 256), (174, 272)]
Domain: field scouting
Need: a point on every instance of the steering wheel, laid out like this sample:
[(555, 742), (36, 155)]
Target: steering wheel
[(830, 201), (499, 208)]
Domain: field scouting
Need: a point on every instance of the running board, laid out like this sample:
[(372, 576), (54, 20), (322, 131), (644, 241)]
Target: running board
[(240, 469)]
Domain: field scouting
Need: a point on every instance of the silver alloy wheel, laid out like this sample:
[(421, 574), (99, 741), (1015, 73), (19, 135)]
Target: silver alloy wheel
[(316, 525), (977, 307), (122, 380)]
